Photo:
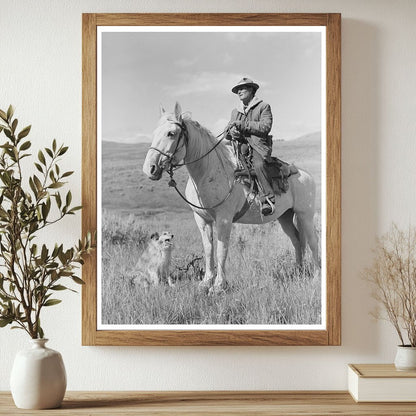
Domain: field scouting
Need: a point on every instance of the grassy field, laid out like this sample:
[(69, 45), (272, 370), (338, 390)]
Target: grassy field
[(265, 285)]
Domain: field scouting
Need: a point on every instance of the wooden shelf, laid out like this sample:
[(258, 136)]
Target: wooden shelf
[(318, 403)]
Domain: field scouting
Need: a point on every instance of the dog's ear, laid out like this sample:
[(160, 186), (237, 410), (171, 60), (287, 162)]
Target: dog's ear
[(155, 236)]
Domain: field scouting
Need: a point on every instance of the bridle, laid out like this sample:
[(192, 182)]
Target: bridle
[(170, 167), (170, 155), (184, 134)]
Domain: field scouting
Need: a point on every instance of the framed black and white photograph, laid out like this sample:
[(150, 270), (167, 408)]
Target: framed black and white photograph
[(211, 172)]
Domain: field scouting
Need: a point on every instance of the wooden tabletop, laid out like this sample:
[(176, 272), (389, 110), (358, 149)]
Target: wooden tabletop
[(212, 403)]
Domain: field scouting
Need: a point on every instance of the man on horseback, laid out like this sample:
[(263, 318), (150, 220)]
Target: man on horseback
[(250, 125)]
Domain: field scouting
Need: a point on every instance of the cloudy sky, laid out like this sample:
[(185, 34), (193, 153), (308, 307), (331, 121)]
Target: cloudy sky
[(141, 70)]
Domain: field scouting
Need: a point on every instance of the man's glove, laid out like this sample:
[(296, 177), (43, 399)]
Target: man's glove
[(239, 125), (235, 133)]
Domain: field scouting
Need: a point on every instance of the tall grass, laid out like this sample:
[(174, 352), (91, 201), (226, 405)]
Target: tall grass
[(265, 286)]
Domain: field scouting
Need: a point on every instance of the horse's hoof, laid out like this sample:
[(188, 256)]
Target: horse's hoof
[(218, 290), (205, 285)]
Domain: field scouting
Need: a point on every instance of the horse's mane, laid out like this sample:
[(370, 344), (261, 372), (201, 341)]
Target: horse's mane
[(207, 141), (201, 141)]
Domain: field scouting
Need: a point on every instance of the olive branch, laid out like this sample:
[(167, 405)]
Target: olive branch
[(31, 273)]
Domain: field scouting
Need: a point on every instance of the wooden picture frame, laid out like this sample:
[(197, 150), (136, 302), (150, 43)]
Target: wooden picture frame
[(331, 334)]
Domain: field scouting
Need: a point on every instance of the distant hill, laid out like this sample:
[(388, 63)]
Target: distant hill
[(309, 138), (298, 150), (127, 189)]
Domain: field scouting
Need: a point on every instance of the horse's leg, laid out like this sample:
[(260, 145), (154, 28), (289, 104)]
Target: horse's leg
[(286, 221), (223, 226), (205, 229)]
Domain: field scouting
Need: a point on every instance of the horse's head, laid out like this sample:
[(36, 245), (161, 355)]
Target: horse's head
[(168, 146)]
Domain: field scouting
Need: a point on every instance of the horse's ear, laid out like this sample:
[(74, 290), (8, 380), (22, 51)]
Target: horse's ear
[(162, 110), (178, 112)]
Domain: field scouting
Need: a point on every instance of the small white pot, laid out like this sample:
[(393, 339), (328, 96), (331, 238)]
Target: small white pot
[(405, 358), (38, 378)]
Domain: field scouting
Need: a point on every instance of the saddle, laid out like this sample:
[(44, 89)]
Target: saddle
[(278, 173)]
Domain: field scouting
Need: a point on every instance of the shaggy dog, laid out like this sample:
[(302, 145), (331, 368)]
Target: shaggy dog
[(153, 265)]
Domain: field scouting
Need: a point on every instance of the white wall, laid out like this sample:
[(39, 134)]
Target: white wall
[(40, 73)]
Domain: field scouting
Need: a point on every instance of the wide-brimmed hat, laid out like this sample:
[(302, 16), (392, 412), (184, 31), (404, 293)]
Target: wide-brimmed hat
[(245, 81)]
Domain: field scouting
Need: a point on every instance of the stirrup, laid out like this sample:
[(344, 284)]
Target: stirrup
[(272, 206)]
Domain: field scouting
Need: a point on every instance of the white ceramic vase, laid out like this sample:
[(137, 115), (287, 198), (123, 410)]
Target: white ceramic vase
[(38, 378), (405, 358)]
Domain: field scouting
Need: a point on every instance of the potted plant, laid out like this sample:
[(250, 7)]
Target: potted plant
[(393, 277), (31, 273)]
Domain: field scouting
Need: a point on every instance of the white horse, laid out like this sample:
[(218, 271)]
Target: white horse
[(216, 198)]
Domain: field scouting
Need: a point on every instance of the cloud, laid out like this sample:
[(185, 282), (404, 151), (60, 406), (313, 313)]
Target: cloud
[(219, 125), (195, 83), (227, 59), (240, 37), (185, 62)]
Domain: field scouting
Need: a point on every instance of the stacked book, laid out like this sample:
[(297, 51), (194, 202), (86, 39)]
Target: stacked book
[(381, 383)]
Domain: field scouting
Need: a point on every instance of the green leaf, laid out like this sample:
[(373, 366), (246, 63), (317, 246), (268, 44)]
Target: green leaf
[(14, 125), (25, 145), (8, 133), (25, 155), (37, 182), (49, 152), (33, 187), (58, 199), (44, 253), (51, 302), (5, 321), (3, 115), (63, 150), (54, 145), (56, 185), (10, 112), (41, 157), (72, 210), (39, 167), (34, 249), (5, 298), (24, 132), (76, 279), (45, 210), (68, 199), (59, 287), (55, 251), (62, 257), (40, 332), (67, 174)]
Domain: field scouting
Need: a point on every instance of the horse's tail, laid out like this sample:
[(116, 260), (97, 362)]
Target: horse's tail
[(303, 189)]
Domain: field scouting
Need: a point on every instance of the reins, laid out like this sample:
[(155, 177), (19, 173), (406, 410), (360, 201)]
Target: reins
[(172, 167), (172, 183), (185, 136)]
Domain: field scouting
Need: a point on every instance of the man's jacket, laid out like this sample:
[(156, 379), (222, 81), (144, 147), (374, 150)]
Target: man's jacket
[(257, 122)]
